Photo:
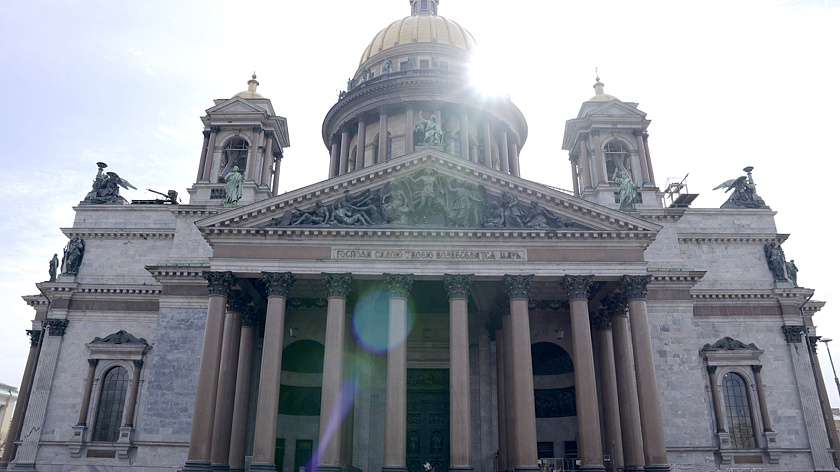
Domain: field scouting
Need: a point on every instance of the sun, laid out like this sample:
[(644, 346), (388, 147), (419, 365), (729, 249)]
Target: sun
[(487, 76)]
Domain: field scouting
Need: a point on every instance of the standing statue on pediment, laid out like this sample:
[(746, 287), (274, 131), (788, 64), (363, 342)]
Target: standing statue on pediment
[(427, 132), (233, 187), (511, 212), (428, 198), (792, 270), (465, 209)]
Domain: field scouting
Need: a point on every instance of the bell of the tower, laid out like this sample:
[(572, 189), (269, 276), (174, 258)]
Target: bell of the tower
[(609, 153), (243, 146)]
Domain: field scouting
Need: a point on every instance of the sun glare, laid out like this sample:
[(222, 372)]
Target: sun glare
[(486, 75)]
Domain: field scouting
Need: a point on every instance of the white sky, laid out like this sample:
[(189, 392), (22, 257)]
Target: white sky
[(726, 83)]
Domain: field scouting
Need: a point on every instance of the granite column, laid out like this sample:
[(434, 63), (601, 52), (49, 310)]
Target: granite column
[(460, 432), (396, 390)]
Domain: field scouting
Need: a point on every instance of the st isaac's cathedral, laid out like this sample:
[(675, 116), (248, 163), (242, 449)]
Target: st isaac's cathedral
[(424, 307)]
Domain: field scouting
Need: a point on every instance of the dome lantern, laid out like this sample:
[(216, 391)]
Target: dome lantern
[(423, 7)]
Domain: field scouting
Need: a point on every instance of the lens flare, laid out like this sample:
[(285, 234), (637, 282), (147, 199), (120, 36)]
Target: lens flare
[(370, 321), (339, 409)]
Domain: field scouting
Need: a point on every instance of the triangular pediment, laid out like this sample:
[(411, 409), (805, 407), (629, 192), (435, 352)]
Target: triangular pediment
[(613, 108), (235, 105), (427, 190)]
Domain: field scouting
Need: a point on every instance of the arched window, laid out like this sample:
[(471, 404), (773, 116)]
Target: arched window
[(235, 154), (618, 157), (109, 412), (738, 412), (305, 356)]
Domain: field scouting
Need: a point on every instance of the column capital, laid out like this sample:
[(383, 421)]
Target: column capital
[(34, 337), (277, 284), (218, 283), (269, 134), (578, 286), (398, 285), (793, 334), (206, 134), (93, 362), (601, 320), (638, 132), (756, 368), (635, 286), (346, 127), (257, 128), (616, 305), (360, 118), (711, 369), (583, 135), (249, 317), (237, 301), (214, 129), (384, 109), (138, 364), (56, 326), (457, 285), (595, 132), (812, 341), (518, 286), (338, 285)]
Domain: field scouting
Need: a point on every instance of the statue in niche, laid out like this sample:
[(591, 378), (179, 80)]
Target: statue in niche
[(106, 188), (386, 66), (73, 254), (627, 190), (539, 217), (466, 207), (233, 187), (53, 267), (792, 271), (743, 192), (427, 132), (775, 260), (319, 215)]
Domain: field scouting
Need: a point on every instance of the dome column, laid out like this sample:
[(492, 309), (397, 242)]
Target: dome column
[(383, 136), (575, 177), (485, 144), (360, 144), (504, 155), (409, 127), (345, 149), (464, 134), (334, 156), (643, 161), (514, 158)]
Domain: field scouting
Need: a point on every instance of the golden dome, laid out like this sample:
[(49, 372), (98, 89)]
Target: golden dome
[(252, 89), (422, 28)]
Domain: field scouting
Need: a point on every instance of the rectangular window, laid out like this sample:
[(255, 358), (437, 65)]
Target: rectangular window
[(303, 455), (570, 450), (404, 65), (545, 449)]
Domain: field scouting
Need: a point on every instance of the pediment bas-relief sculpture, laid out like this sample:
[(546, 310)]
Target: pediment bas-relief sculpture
[(427, 198)]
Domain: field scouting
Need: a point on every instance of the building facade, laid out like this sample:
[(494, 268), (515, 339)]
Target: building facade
[(424, 304)]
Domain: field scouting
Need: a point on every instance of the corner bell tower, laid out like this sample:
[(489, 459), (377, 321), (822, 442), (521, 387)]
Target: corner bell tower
[(240, 132), (609, 137)]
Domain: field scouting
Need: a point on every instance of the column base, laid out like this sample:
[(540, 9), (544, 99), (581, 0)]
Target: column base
[(592, 468), (238, 469), (526, 468), (394, 469), (22, 466), (263, 467), (634, 468), (220, 467), (4, 465), (329, 468), (196, 466), (658, 468), (459, 468)]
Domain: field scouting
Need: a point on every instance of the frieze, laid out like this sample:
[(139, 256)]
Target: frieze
[(548, 305), (390, 254), (306, 304), (729, 344), (120, 337), (426, 198)]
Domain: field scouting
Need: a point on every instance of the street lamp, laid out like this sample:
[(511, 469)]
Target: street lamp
[(836, 380)]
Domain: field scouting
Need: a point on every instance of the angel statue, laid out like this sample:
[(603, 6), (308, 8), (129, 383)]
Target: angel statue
[(743, 192), (106, 188)]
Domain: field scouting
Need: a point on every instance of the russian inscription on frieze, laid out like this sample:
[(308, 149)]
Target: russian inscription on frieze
[(429, 254)]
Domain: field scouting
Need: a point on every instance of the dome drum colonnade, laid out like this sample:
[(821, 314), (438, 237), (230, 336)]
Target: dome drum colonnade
[(418, 68)]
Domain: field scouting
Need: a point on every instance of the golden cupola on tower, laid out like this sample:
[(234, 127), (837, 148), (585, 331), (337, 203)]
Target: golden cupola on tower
[(416, 70)]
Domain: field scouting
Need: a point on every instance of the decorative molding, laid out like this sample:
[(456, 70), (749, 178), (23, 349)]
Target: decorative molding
[(548, 305), (120, 337), (457, 285), (730, 238), (600, 320), (518, 286), (729, 344), (635, 286), (595, 132), (577, 286), (57, 327), (307, 304), (398, 285), (237, 301), (218, 283), (277, 284), (119, 234), (338, 285), (793, 334)]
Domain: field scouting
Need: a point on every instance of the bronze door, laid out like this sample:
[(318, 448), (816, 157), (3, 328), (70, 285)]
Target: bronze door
[(427, 434)]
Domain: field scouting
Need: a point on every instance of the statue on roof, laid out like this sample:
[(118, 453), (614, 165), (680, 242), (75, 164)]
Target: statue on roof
[(792, 270), (427, 132), (106, 188), (386, 66), (53, 267), (233, 187), (627, 191), (73, 254), (743, 192), (775, 256)]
